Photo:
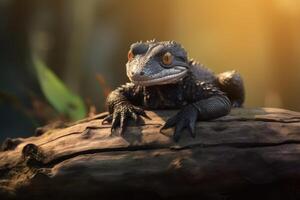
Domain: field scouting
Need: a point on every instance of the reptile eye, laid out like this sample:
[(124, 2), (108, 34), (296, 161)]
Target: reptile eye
[(130, 55), (167, 58)]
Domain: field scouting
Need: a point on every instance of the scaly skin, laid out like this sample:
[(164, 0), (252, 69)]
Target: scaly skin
[(162, 77)]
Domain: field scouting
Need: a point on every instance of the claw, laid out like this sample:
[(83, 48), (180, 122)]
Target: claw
[(185, 119), (115, 122), (134, 117), (122, 123), (121, 114), (191, 129), (176, 135), (145, 115), (142, 113), (192, 126), (107, 119), (170, 122), (179, 127)]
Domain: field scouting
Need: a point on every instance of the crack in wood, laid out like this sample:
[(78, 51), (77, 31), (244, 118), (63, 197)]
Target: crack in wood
[(174, 147)]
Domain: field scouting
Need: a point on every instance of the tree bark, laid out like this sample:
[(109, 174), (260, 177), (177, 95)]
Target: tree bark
[(251, 153)]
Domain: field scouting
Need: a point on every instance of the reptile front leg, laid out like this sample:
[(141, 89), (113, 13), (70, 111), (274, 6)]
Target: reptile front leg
[(206, 109), (121, 109)]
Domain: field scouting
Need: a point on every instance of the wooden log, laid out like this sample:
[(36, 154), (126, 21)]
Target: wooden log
[(248, 154)]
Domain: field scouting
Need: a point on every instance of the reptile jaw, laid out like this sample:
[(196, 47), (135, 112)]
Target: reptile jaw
[(161, 79)]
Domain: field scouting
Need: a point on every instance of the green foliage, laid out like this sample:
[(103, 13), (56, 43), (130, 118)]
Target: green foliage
[(57, 94)]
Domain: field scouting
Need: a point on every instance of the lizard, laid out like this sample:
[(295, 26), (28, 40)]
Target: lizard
[(163, 77)]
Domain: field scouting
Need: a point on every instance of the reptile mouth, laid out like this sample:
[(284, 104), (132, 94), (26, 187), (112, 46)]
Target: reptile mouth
[(160, 79)]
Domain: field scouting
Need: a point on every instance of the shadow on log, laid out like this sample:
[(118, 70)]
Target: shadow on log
[(249, 154)]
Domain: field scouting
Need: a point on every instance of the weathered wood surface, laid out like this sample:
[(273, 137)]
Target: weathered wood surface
[(247, 154)]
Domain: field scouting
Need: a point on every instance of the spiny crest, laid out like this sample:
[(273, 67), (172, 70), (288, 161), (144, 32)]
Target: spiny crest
[(168, 43), (193, 62), (147, 41), (151, 41), (174, 43), (177, 44)]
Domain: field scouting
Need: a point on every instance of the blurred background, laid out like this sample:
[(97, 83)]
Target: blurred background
[(60, 58)]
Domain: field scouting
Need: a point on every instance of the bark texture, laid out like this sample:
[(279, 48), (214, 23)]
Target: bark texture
[(251, 153)]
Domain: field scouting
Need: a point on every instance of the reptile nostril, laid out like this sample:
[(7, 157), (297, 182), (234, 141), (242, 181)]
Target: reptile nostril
[(142, 73)]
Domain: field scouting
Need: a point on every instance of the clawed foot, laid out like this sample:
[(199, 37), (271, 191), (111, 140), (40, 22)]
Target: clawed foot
[(184, 119), (122, 113)]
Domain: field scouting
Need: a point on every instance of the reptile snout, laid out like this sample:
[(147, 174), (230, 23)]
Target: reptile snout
[(137, 74)]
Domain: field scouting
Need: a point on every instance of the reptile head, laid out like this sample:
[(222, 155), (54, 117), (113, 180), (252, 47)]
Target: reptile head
[(156, 63)]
